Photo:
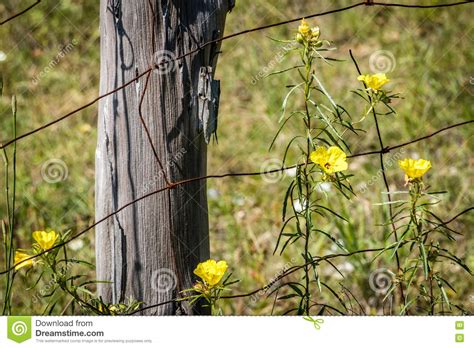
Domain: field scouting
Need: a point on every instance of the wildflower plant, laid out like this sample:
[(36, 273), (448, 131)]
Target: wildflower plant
[(46, 257), (375, 93), (320, 149), (418, 248), (210, 286), (129, 307), (423, 242), (49, 261), (55, 269)]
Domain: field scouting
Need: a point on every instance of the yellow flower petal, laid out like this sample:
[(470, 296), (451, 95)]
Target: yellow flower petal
[(414, 169), (374, 82), (211, 271), (319, 155), (337, 158), (304, 28), (19, 257), (44, 239), (331, 160)]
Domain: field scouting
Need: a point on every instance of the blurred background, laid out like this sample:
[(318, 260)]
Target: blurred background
[(49, 58)]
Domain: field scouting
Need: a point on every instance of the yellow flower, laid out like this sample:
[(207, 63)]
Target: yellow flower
[(414, 169), (374, 82), (211, 271), (45, 239), (306, 33), (304, 29), (331, 160), (19, 257)]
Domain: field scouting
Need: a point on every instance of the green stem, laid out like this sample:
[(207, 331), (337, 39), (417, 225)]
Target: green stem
[(306, 176), (11, 218), (6, 241), (64, 286), (415, 194)]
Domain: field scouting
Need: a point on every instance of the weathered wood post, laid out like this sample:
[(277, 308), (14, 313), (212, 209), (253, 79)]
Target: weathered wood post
[(149, 250)]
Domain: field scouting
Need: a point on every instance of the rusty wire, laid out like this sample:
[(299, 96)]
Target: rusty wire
[(219, 176), (153, 66)]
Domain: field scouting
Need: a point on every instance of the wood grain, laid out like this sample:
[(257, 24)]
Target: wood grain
[(155, 244)]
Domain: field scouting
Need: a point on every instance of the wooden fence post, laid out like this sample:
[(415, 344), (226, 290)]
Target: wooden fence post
[(149, 250)]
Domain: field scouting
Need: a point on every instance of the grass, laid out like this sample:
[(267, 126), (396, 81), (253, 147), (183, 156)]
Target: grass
[(432, 55)]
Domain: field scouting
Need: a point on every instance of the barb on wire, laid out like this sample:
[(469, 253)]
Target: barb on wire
[(213, 176), (18, 14), (320, 14)]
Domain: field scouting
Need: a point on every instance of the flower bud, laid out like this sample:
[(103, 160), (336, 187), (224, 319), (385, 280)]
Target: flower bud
[(315, 32), (299, 38)]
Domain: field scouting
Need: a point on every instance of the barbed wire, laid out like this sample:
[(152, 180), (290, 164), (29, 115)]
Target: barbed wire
[(366, 3), (390, 148), (227, 37), (73, 112), (220, 176), (18, 14)]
